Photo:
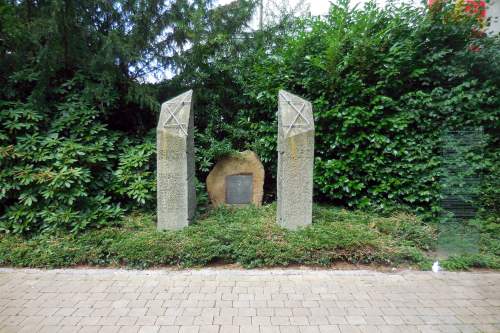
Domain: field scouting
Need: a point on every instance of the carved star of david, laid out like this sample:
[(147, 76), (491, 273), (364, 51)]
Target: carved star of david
[(299, 114), (172, 115)]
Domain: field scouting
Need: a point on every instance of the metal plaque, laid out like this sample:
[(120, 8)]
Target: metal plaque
[(239, 189)]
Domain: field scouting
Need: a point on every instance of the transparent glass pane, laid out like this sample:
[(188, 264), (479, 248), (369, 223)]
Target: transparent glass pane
[(460, 182)]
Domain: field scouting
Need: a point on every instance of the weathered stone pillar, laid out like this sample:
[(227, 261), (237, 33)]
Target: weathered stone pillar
[(176, 194), (493, 14), (295, 161)]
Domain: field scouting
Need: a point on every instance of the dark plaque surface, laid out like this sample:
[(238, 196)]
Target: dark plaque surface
[(239, 189)]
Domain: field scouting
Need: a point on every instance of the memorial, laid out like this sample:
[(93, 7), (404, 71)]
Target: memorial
[(239, 189), (237, 180), (176, 194), (295, 161)]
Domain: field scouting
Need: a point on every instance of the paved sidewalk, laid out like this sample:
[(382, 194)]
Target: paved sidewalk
[(224, 301)]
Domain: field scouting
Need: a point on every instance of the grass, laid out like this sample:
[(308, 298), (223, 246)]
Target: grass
[(249, 237)]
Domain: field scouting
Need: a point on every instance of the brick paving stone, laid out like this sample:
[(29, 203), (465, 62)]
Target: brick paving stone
[(393, 320), (146, 321), (67, 329), (329, 329), (374, 320), (169, 329), (309, 329), (337, 320), (88, 329), (428, 329), (318, 320), (247, 301), (223, 320), (280, 320), (249, 329), (288, 329), (299, 312), (229, 329), (242, 321), (449, 329), (189, 329), (299, 321), (149, 329), (263, 321), (271, 329), (355, 320), (209, 329), (108, 321), (108, 329), (349, 329)]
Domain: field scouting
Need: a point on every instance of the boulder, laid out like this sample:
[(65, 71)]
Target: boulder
[(237, 180)]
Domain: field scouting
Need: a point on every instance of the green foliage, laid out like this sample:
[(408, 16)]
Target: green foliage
[(134, 178), (408, 230), (462, 262), (74, 118), (384, 83), (216, 149), (490, 231), (54, 172), (249, 237), (76, 140)]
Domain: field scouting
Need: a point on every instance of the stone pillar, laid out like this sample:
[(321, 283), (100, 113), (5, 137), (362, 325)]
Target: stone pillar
[(176, 194), (493, 14), (295, 161)]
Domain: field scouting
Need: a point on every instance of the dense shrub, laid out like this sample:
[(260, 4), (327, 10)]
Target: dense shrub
[(55, 171), (249, 237), (385, 84), (134, 178), (77, 127), (74, 117)]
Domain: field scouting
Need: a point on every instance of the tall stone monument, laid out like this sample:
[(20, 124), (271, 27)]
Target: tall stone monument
[(176, 195), (295, 161)]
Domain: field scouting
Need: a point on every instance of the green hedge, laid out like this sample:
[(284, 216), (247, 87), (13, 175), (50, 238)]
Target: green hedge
[(77, 137), (248, 236), (385, 84)]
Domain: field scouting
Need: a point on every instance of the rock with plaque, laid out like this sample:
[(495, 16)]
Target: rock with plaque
[(236, 180), (176, 195)]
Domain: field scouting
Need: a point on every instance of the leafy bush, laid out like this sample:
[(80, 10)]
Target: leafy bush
[(384, 84), (76, 147), (54, 171), (472, 260), (75, 112), (408, 230), (247, 236), (134, 178)]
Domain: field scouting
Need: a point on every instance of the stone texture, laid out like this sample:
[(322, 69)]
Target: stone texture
[(49, 301), (244, 163), (176, 195), (493, 15), (295, 161)]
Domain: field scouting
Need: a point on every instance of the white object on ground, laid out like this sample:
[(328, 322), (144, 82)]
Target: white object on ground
[(435, 267)]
